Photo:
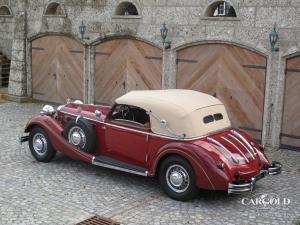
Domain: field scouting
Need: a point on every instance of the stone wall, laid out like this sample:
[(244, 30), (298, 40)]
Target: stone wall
[(187, 25)]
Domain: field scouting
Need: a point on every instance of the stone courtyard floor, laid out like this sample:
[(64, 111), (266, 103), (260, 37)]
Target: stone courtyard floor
[(65, 191)]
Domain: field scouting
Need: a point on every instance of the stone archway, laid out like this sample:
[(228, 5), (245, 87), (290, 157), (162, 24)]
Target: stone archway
[(125, 64), (57, 68), (233, 74)]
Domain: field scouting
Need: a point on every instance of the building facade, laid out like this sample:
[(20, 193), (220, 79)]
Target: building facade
[(96, 50)]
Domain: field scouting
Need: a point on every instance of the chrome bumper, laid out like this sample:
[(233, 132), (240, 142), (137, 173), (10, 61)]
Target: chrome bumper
[(274, 169)]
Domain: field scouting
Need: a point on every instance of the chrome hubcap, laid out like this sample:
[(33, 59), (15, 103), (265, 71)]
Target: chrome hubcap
[(77, 137), (177, 178), (39, 144)]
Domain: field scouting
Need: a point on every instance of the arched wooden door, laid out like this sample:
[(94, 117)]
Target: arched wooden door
[(122, 65), (57, 69), (290, 133), (233, 74)]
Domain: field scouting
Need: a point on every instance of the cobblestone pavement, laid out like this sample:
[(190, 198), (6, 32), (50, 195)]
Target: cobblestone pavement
[(67, 191)]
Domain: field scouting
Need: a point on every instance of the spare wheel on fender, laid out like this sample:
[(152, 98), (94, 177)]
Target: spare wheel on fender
[(81, 134)]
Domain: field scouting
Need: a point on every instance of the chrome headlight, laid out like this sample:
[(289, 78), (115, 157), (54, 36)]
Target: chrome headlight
[(48, 110)]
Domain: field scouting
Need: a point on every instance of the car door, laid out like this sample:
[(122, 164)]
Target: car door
[(126, 139)]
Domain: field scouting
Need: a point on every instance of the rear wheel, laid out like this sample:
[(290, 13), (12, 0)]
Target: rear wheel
[(40, 145), (177, 178)]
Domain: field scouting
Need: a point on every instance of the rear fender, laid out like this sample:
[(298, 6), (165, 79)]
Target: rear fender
[(203, 164), (54, 131)]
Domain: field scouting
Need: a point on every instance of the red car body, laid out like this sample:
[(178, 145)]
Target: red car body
[(140, 147)]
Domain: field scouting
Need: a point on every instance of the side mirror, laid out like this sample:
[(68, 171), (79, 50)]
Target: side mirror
[(98, 113)]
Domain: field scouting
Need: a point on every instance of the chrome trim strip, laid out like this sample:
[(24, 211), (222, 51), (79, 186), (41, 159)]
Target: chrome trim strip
[(243, 139), (225, 139), (223, 147), (137, 131), (242, 145), (119, 168), (75, 115), (130, 121)]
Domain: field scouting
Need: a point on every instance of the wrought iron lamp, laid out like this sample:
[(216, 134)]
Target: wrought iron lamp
[(274, 39), (82, 29), (164, 34)]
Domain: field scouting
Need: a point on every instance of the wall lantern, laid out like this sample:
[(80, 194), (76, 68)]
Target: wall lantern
[(82, 29), (164, 34), (273, 39)]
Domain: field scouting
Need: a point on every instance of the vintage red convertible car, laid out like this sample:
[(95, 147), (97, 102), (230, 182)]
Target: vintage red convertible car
[(184, 137)]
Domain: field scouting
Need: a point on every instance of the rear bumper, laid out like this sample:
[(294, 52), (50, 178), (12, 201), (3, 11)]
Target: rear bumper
[(274, 169)]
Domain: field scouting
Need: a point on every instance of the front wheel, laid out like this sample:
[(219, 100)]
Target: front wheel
[(177, 178), (40, 145)]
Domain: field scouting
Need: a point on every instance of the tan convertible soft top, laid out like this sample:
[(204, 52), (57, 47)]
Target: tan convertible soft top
[(182, 110)]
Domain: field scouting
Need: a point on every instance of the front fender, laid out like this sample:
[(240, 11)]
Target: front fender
[(208, 175), (54, 131)]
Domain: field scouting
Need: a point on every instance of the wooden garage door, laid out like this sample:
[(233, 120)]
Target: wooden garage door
[(290, 137), (123, 65), (57, 69), (234, 75)]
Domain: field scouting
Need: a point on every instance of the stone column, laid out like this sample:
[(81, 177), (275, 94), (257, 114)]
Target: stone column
[(169, 69), (86, 65), (91, 95), (29, 68), (273, 101), (17, 90)]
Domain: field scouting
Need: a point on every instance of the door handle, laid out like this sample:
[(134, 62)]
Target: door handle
[(104, 128)]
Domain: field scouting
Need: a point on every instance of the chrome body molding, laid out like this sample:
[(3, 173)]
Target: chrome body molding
[(225, 139), (244, 140), (235, 138), (234, 159), (137, 131), (145, 174)]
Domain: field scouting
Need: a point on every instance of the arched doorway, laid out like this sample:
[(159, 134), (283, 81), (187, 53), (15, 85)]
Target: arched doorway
[(122, 65), (57, 69), (290, 132), (233, 74)]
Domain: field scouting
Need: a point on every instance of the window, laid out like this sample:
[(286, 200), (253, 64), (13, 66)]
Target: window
[(127, 9), (131, 114), (212, 118), (54, 9), (220, 9), (5, 11)]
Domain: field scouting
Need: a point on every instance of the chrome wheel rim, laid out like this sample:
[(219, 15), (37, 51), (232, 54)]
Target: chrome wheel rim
[(39, 143), (177, 178), (77, 137)]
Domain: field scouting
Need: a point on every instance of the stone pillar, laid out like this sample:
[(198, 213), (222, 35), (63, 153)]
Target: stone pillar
[(17, 90), (86, 71), (29, 68), (91, 95), (169, 69), (273, 101)]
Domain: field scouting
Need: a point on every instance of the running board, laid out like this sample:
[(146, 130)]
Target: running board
[(110, 163)]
